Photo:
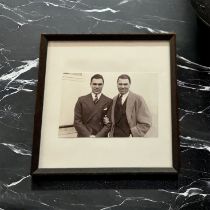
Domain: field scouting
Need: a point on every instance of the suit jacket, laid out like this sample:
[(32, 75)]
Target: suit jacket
[(88, 117), (137, 113)]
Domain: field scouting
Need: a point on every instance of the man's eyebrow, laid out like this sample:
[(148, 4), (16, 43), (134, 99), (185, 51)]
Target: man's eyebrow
[(97, 83)]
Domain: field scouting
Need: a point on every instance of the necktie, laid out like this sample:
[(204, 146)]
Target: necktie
[(95, 99), (120, 99)]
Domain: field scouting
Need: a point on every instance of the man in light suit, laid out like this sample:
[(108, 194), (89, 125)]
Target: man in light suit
[(91, 109), (130, 115)]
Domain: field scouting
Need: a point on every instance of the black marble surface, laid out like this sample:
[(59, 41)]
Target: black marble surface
[(202, 8), (21, 23)]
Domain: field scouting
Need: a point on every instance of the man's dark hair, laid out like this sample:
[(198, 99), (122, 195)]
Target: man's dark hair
[(124, 76), (97, 76)]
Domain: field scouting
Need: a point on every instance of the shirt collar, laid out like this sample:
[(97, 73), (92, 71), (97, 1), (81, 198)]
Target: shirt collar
[(94, 94), (124, 96)]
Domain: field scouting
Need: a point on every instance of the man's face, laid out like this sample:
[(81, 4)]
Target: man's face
[(96, 85), (123, 86)]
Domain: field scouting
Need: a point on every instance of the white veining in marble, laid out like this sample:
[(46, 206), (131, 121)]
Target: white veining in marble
[(102, 20), (138, 199), (3, 6), (183, 116), (191, 113), (69, 5), (11, 77), (189, 192), (20, 88), (195, 143), (203, 111), (100, 10), (183, 198), (134, 199), (188, 111), (24, 197), (7, 95), (118, 194), (90, 28), (27, 65), (149, 29), (59, 5), (158, 18), (77, 204), (192, 69), (17, 182), (7, 112), (19, 85), (193, 63), (17, 149), (123, 2), (45, 204), (13, 20), (20, 17), (192, 86), (4, 61), (22, 20)]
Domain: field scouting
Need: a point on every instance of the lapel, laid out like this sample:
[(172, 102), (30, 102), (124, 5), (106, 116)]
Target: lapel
[(96, 106), (101, 99), (113, 106), (130, 105)]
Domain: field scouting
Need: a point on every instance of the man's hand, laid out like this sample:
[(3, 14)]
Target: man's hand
[(106, 120)]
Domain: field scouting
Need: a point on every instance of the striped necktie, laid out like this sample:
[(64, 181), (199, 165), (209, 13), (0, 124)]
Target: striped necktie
[(95, 99), (120, 99)]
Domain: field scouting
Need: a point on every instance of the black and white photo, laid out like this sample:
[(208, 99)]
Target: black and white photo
[(123, 114)]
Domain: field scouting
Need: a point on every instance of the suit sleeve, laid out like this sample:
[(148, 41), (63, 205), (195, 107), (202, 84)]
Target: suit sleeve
[(144, 119), (106, 128), (78, 123)]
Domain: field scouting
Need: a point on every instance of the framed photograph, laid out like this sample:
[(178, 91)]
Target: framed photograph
[(106, 104)]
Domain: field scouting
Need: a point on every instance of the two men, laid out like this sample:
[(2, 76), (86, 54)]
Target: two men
[(128, 113)]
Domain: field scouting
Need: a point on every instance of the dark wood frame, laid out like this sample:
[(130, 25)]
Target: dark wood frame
[(45, 38)]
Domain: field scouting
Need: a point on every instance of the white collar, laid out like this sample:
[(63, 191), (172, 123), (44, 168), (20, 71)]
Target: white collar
[(94, 95), (124, 96)]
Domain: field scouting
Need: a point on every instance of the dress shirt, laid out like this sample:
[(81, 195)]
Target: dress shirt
[(94, 95), (124, 97)]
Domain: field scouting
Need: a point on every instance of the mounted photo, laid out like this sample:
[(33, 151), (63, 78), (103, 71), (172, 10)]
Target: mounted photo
[(121, 104), (106, 104)]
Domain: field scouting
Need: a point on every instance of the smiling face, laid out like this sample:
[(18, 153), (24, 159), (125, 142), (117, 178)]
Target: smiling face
[(96, 85), (123, 86)]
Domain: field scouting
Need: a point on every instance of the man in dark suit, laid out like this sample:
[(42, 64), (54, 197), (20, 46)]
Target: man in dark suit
[(91, 109), (130, 115)]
